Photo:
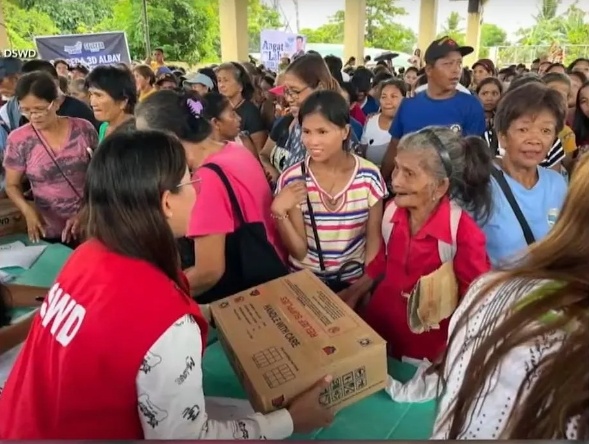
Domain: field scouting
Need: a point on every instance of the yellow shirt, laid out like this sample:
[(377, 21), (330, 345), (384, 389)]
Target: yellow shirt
[(144, 95), (567, 138), (155, 66)]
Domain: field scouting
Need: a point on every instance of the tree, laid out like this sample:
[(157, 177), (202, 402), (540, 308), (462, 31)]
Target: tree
[(260, 17), (381, 31), (453, 28), (23, 25), (491, 35), (178, 26)]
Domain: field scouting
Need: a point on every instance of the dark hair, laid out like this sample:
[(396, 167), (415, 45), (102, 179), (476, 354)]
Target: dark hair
[(170, 111), (37, 83), (158, 49), (579, 75), (352, 93), (330, 104), (421, 80), (555, 65), (146, 72), (124, 186), (494, 80), (116, 82), (335, 66), (5, 306), (39, 65), (556, 77), (214, 104), (362, 79), (78, 84), (577, 61), (63, 84), (470, 166), (241, 76), (530, 98), (466, 78), (270, 80), (300, 37), (581, 121), (412, 68), (381, 77), (60, 62), (524, 79), (535, 61), (397, 83)]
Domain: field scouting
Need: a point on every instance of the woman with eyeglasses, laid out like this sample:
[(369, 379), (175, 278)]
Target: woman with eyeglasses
[(93, 366), (53, 153)]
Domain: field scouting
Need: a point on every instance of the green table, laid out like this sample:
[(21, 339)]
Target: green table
[(375, 417)]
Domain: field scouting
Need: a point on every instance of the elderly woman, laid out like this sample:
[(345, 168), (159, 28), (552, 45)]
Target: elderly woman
[(435, 172), (113, 96), (52, 153), (526, 198)]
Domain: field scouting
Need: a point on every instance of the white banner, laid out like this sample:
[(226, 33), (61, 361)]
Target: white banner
[(277, 44)]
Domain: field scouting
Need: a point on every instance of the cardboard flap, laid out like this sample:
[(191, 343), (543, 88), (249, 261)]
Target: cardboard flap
[(433, 299)]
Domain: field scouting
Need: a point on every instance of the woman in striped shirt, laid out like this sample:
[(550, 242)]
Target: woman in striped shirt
[(329, 206)]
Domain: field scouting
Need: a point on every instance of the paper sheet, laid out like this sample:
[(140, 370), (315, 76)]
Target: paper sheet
[(227, 409), (17, 254)]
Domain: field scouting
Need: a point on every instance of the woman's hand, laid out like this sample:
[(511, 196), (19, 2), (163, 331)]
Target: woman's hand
[(306, 411), (35, 223), (289, 197), (71, 230), (357, 291)]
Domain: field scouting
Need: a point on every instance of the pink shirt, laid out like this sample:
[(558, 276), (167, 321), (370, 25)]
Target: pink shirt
[(212, 213), (56, 198)]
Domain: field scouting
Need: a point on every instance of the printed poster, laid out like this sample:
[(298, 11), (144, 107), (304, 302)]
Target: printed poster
[(277, 44)]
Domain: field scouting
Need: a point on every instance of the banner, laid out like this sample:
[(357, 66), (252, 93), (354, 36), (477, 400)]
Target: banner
[(277, 44), (88, 49)]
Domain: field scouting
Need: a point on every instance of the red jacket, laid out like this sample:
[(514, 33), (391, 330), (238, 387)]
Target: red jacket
[(407, 259), (76, 375)]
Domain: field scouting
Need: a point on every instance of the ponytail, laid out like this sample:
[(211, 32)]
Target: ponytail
[(474, 190)]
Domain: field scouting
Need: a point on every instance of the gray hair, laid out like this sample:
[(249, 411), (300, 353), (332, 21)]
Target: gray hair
[(465, 162)]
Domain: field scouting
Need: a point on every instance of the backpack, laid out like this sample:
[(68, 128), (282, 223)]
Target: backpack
[(445, 250)]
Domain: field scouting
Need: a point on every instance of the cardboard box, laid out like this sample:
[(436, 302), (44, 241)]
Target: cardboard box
[(12, 220), (283, 336)]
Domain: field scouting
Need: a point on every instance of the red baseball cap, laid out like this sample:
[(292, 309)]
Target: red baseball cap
[(278, 90)]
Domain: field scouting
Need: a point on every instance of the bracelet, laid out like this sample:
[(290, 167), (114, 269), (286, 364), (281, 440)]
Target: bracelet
[(279, 216)]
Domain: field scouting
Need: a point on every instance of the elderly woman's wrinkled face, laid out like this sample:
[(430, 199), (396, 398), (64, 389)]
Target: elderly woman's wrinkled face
[(529, 138), (415, 186)]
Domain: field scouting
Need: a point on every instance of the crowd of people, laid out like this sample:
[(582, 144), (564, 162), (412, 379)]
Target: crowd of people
[(178, 189)]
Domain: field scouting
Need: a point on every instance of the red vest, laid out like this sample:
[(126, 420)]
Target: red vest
[(76, 375)]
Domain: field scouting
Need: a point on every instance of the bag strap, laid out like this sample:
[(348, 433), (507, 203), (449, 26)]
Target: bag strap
[(55, 162), (232, 197), (445, 250), (499, 176), (313, 223)]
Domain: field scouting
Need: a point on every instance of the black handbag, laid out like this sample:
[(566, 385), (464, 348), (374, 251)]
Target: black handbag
[(250, 259)]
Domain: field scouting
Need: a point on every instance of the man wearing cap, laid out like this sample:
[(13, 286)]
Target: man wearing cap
[(200, 83), (441, 104), (10, 69), (166, 81)]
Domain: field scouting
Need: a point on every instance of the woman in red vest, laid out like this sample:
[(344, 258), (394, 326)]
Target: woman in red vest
[(115, 351)]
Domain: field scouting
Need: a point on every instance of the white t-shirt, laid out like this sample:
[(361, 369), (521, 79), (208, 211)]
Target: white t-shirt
[(496, 401), (459, 87), (376, 138)]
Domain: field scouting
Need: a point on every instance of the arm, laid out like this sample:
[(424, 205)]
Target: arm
[(388, 162), (209, 252), (292, 232), (12, 335), (14, 191), (373, 231), (259, 139), (471, 260), (25, 295), (168, 410)]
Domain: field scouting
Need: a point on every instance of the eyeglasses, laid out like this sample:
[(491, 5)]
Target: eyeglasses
[(294, 94), (36, 112), (195, 182)]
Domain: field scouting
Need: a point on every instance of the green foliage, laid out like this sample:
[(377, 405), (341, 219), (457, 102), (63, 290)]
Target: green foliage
[(452, 28), (23, 26), (381, 30), (260, 17), (491, 35)]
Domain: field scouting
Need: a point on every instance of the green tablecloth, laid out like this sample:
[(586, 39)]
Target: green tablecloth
[(375, 417)]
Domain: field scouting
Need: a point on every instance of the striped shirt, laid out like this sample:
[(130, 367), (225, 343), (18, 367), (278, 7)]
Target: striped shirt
[(342, 233)]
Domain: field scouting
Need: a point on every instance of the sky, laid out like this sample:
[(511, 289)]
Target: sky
[(511, 15)]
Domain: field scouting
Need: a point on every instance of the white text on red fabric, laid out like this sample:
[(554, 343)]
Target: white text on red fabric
[(67, 315)]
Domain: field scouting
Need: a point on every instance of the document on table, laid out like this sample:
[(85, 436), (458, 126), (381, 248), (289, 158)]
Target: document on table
[(17, 254), (227, 409)]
